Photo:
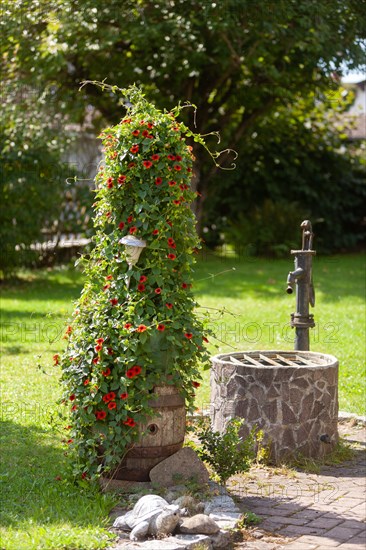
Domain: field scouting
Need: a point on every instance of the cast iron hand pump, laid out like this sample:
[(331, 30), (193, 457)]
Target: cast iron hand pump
[(302, 320)]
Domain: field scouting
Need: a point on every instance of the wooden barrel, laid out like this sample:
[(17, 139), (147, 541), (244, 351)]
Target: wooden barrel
[(163, 435)]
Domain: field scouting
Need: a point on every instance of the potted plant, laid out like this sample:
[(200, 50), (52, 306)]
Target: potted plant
[(135, 326)]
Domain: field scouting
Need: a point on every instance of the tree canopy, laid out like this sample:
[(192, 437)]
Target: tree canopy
[(239, 61)]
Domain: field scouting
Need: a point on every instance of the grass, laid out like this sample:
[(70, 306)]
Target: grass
[(253, 291), (40, 507)]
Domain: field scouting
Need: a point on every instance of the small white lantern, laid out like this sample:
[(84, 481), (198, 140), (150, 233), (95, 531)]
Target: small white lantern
[(134, 247)]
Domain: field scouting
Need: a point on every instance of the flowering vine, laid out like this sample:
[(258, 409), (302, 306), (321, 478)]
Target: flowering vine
[(135, 326)]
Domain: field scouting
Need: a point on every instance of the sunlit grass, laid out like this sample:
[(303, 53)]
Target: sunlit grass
[(41, 507)]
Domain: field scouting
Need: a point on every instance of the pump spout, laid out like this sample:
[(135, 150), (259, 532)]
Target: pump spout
[(292, 278)]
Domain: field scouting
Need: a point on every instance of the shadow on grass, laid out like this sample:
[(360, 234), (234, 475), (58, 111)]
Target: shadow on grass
[(33, 483)]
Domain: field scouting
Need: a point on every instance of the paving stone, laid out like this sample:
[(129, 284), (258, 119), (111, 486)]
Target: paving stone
[(342, 534), (299, 546), (292, 530), (317, 541), (325, 523)]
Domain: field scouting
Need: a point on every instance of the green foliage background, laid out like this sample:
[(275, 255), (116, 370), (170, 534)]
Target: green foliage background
[(255, 70)]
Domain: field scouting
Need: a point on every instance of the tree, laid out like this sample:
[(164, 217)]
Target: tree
[(238, 60)]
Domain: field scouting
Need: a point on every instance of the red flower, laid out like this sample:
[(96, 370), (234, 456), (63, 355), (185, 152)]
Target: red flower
[(130, 422), (169, 223), (114, 301), (110, 351), (150, 136), (69, 441), (121, 179), (100, 415), (136, 369), (133, 371), (141, 287), (126, 120), (171, 243), (143, 279), (171, 256), (150, 125), (169, 305), (177, 167), (86, 382), (133, 230), (96, 360), (68, 330), (155, 157), (56, 359), (121, 225), (124, 395), (112, 405), (189, 169), (176, 202), (171, 157), (105, 398), (109, 277), (111, 396), (155, 232), (184, 285), (141, 328), (74, 408), (157, 290), (205, 339), (188, 335), (196, 384), (145, 133), (109, 183), (72, 397), (171, 183), (132, 165), (106, 287), (100, 340), (178, 158), (106, 372), (135, 132), (127, 325), (161, 328), (147, 164), (142, 122), (158, 181), (84, 475), (107, 214), (183, 187), (134, 149), (98, 348)]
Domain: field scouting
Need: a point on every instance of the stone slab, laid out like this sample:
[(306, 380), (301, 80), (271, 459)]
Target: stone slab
[(185, 464)]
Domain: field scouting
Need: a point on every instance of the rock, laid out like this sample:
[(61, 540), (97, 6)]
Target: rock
[(188, 503), (221, 503), (199, 524), (192, 542), (221, 540), (185, 464)]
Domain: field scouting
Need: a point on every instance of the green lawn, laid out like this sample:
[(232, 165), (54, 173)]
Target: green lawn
[(40, 507)]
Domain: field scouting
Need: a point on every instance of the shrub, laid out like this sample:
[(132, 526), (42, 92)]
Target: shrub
[(227, 453)]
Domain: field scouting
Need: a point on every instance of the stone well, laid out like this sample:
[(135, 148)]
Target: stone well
[(291, 395)]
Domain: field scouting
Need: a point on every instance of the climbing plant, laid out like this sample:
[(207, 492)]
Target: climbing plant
[(134, 327)]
